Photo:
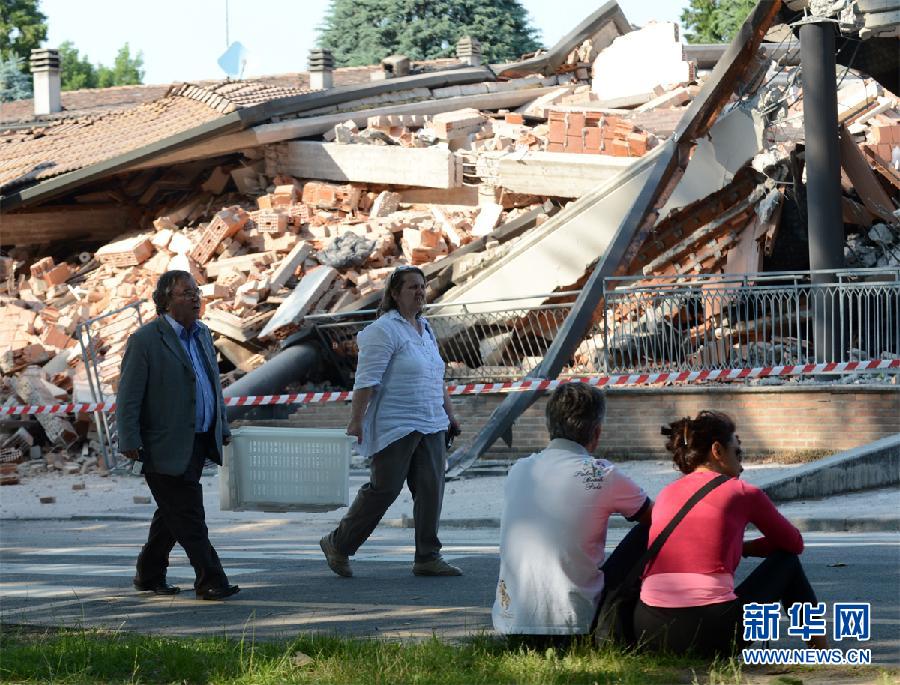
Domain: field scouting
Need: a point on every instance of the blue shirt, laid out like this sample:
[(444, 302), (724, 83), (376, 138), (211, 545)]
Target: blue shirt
[(205, 407)]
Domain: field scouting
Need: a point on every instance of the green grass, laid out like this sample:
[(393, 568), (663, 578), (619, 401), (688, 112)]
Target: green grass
[(84, 657)]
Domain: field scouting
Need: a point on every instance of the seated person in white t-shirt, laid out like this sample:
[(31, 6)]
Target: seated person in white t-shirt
[(553, 531)]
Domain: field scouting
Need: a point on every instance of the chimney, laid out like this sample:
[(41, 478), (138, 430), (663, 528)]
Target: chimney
[(395, 65), (468, 50), (321, 66), (45, 70)]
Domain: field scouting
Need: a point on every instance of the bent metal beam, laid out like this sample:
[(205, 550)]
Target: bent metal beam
[(634, 228)]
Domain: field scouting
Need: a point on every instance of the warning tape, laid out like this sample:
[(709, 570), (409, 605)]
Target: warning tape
[(619, 380)]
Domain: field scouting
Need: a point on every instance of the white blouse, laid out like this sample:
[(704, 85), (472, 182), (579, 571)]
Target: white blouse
[(407, 371)]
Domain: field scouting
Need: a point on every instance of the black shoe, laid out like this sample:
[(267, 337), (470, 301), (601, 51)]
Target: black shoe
[(160, 587), (218, 592)]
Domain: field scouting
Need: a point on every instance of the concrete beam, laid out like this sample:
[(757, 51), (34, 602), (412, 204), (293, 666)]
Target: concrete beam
[(430, 167), (870, 466), (549, 173)]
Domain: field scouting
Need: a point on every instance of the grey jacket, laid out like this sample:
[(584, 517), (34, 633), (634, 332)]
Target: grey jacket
[(157, 395)]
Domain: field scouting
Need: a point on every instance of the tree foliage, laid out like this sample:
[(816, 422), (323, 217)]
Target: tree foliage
[(714, 21), (362, 32), (126, 70), (76, 70), (15, 84), (22, 28)]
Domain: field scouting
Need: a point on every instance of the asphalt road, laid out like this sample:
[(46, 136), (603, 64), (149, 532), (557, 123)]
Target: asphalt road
[(76, 573)]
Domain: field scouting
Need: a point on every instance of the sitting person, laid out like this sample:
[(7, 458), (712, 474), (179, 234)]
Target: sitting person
[(553, 530), (688, 600)]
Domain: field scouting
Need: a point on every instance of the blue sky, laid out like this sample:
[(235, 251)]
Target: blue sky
[(182, 39)]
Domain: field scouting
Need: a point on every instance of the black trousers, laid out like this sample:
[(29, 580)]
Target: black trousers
[(714, 628), (180, 517)]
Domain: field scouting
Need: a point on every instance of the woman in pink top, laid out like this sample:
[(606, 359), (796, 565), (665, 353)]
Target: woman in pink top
[(688, 599)]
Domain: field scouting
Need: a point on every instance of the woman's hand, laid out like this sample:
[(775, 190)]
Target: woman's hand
[(355, 429)]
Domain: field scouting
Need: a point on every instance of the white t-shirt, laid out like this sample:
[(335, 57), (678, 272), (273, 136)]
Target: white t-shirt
[(407, 370), (552, 539)]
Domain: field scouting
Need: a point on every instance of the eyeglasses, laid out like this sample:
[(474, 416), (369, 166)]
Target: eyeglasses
[(188, 293)]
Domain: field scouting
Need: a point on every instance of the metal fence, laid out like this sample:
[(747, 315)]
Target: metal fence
[(719, 321), (102, 340), (675, 324)]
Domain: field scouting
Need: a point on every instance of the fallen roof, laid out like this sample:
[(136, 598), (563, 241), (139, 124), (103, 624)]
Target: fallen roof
[(96, 100), (223, 109)]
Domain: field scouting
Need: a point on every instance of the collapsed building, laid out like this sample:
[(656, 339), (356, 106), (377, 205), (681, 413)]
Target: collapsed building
[(573, 217)]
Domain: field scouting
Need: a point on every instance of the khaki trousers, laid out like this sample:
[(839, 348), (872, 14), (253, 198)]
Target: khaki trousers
[(417, 460)]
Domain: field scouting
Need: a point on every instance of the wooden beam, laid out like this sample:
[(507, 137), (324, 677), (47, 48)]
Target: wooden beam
[(428, 167), (70, 222)]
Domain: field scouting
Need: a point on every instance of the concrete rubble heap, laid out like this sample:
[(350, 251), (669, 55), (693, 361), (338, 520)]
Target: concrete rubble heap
[(315, 225)]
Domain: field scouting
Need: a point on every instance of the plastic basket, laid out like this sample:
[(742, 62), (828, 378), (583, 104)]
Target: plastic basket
[(285, 469)]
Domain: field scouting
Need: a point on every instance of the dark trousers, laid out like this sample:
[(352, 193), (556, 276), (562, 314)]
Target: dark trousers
[(417, 460), (714, 628), (180, 517)]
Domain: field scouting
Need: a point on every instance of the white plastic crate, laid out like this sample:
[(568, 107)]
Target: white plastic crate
[(285, 469)]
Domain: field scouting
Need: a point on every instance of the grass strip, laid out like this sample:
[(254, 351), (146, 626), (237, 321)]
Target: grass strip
[(89, 656)]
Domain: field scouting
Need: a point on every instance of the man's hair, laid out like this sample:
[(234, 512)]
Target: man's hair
[(574, 410), (164, 286)]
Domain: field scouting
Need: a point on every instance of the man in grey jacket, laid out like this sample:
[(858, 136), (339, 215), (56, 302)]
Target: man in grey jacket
[(171, 416)]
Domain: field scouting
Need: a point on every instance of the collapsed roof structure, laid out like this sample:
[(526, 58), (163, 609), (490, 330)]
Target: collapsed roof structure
[(560, 171)]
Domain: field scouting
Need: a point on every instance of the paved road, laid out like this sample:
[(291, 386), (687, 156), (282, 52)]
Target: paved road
[(79, 573)]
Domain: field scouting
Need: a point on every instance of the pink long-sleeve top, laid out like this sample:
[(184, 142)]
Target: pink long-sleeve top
[(696, 564)]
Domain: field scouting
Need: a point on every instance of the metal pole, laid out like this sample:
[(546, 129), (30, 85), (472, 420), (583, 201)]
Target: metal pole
[(823, 174)]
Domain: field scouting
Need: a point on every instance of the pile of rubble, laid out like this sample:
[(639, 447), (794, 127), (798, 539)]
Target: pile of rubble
[(268, 249)]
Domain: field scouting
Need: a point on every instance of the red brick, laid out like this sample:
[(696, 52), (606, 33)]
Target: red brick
[(574, 122), (592, 139), (557, 132), (618, 148), (58, 274), (42, 266), (637, 144)]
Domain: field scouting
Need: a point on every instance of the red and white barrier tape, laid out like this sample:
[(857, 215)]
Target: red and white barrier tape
[(620, 380)]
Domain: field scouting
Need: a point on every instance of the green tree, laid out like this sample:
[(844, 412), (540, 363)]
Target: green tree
[(15, 84), (22, 27), (362, 32), (126, 70), (714, 21), (76, 70)]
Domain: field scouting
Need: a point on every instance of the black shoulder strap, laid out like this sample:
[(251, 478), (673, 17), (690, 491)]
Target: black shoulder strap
[(638, 569), (660, 540)]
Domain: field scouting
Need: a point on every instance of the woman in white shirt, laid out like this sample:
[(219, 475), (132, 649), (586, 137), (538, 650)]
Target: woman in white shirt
[(400, 416)]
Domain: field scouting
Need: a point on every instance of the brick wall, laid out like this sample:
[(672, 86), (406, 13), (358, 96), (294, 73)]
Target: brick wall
[(770, 420)]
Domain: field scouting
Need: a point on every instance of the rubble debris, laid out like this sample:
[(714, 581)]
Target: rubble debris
[(446, 179)]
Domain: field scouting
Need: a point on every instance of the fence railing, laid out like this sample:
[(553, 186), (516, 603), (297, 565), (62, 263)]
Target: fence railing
[(675, 324), (102, 340)]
